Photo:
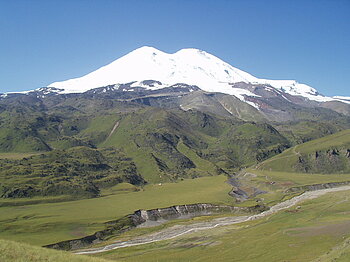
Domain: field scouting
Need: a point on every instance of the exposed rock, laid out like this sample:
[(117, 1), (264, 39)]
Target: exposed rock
[(333, 160), (142, 216)]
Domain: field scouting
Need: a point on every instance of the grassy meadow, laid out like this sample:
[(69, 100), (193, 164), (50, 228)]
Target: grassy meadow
[(47, 223)]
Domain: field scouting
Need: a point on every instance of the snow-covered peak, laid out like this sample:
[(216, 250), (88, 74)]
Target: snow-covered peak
[(191, 66)]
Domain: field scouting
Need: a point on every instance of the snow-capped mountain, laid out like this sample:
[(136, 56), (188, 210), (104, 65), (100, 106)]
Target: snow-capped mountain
[(189, 66)]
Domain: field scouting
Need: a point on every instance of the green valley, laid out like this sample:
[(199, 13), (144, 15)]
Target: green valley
[(47, 223), (79, 165)]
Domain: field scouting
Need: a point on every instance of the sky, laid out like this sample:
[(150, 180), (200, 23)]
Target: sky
[(47, 41)]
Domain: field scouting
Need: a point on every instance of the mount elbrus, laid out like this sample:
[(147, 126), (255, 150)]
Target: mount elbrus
[(147, 71), (151, 117)]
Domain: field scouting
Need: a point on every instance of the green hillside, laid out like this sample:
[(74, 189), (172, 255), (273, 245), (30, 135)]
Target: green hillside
[(154, 144), (86, 150), (78, 172), (329, 154)]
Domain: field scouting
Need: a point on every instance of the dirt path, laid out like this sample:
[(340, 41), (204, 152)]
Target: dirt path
[(295, 152), (179, 230), (258, 166)]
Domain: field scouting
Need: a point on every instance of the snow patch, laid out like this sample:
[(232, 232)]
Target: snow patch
[(343, 99)]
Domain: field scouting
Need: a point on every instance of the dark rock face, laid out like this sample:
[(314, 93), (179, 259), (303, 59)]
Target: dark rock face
[(140, 217), (334, 160)]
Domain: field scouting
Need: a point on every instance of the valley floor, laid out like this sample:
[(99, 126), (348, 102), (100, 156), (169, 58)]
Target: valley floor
[(46, 223), (315, 230)]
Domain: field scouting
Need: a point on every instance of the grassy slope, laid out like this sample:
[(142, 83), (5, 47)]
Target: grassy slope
[(122, 138), (277, 183), (226, 142), (203, 167), (288, 159), (303, 131), (42, 224), (77, 171), (11, 251), (160, 137), (297, 234), (155, 145)]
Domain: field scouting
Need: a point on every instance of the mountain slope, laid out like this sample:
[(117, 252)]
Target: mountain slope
[(96, 142), (168, 145), (329, 154)]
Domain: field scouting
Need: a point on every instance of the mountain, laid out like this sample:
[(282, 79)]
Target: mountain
[(190, 66), (152, 117), (149, 74)]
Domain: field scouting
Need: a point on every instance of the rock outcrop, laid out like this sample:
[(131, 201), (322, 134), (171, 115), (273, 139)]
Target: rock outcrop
[(142, 217)]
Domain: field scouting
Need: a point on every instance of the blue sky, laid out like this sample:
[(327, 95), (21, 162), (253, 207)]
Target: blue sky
[(46, 41)]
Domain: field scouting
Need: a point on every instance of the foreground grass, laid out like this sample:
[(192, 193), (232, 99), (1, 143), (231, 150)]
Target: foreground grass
[(43, 224), (317, 230), (11, 251)]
